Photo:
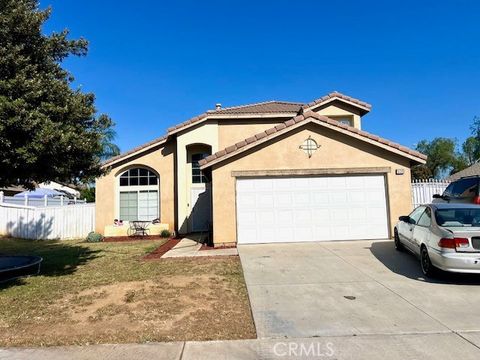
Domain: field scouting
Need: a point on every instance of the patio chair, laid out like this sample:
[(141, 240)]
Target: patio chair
[(138, 228)]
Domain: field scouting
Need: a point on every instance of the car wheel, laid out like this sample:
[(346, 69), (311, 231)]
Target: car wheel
[(427, 267), (398, 244)]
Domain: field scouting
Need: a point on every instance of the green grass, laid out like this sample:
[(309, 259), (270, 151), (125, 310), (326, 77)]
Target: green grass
[(38, 310)]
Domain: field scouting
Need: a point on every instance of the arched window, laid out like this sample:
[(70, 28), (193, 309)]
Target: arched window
[(138, 197)]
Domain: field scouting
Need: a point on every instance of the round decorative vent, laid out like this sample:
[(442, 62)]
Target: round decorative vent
[(309, 146)]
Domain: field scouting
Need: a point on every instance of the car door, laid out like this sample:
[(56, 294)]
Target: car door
[(405, 230), (422, 230)]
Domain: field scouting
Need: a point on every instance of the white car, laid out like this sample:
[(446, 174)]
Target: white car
[(444, 236)]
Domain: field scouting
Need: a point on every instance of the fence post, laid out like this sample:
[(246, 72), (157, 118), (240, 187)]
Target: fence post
[(61, 200), (25, 200), (45, 200), (74, 199), (1, 197)]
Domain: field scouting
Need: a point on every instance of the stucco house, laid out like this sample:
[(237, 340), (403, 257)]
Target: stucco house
[(473, 170), (266, 172)]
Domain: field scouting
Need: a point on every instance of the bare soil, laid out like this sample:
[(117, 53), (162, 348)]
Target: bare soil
[(164, 300)]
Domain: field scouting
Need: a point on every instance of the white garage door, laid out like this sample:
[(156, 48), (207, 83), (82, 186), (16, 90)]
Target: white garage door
[(314, 208)]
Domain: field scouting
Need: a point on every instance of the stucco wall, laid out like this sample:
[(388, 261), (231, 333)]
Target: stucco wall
[(233, 131), (160, 160), (338, 109), (337, 151)]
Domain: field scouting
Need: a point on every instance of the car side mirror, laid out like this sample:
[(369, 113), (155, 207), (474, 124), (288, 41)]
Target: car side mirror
[(437, 196), (406, 219)]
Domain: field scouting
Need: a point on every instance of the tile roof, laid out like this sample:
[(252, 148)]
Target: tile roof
[(267, 107), (336, 95), (473, 170), (272, 107), (156, 141), (261, 108), (238, 147)]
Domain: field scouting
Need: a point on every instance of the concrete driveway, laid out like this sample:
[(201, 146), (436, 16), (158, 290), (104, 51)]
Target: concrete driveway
[(303, 290)]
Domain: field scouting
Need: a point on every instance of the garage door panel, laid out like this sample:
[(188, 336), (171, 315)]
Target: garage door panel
[(374, 182), (283, 198), (323, 233), (282, 184), (302, 217), (267, 218), (265, 200), (246, 200), (338, 198), (284, 216), (267, 233), (248, 235), (247, 218), (263, 184), (301, 183), (356, 196), (374, 196), (311, 209), (357, 214), (301, 198), (304, 233), (286, 234), (355, 182), (320, 197), (319, 183)]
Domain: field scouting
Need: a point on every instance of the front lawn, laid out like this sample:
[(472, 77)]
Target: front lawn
[(105, 293)]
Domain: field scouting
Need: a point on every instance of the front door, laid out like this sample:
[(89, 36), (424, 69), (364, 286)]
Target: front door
[(200, 214)]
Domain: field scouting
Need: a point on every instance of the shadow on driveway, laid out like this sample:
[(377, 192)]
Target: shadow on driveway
[(408, 265)]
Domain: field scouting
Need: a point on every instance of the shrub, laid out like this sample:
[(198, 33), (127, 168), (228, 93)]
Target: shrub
[(94, 237), (165, 234)]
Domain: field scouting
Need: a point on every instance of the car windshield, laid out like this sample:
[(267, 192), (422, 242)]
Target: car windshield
[(461, 217)]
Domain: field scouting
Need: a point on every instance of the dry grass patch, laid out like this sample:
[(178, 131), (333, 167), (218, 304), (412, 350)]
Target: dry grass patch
[(105, 293)]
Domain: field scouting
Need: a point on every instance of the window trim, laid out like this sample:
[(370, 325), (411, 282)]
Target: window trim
[(343, 118), (136, 188), (149, 176)]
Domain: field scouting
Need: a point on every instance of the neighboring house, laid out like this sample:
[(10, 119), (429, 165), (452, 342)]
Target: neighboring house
[(12, 190), (68, 190), (267, 172), (473, 170)]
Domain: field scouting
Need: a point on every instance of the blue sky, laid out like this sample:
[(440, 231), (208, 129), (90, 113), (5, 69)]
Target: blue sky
[(153, 64)]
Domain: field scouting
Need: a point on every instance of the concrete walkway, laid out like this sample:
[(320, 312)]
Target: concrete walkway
[(368, 347), (190, 247)]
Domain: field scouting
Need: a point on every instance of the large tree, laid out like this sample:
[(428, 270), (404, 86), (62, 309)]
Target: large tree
[(471, 150), (48, 130), (442, 158), (471, 146)]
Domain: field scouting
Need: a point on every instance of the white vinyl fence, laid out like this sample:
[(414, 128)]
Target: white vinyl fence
[(42, 202), (423, 190), (52, 222)]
